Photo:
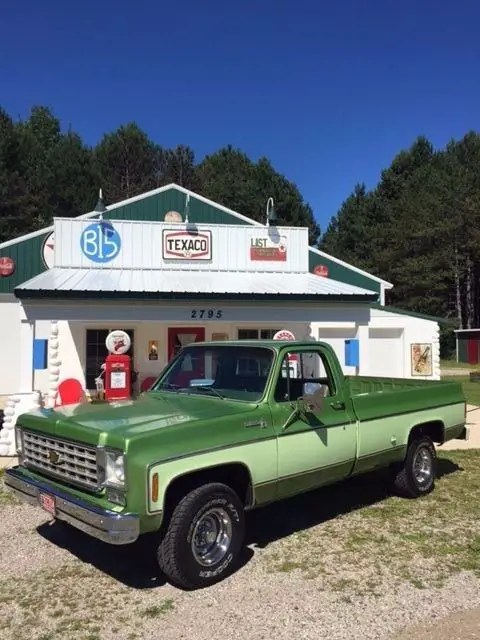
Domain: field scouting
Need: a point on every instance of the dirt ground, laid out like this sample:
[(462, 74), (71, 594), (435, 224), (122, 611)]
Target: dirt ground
[(457, 626), (342, 562)]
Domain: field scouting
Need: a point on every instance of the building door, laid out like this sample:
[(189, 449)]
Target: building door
[(472, 351), (179, 338), (96, 352), (385, 353)]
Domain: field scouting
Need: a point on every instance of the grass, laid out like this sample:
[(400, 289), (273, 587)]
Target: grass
[(470, 389), (423, 541), (453, 364), (159, 610)]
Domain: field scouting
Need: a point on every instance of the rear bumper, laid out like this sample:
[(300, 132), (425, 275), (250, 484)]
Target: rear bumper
[(103, 524)]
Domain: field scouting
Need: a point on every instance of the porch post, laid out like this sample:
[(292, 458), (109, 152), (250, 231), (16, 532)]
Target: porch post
[(27, 336), (53, 364)]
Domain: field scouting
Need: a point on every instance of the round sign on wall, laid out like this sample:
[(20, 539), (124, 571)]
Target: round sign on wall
[(284, 334), (100, 242), (321, 270), (48, 250), (118, 342), (7, 266), (173, 216)]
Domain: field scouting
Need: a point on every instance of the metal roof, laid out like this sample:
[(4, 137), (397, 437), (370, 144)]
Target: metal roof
[(74, 282)]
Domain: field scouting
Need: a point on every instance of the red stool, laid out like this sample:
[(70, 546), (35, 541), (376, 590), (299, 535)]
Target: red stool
[(70, 391)]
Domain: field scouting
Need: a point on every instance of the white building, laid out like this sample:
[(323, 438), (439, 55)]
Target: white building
[(166, 280)]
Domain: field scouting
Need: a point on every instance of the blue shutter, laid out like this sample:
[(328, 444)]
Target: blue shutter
[(39, 354), (352, 353)]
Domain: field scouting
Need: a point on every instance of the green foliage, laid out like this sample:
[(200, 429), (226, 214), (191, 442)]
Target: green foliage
[(45, 172), (419, 228), (232, 179)]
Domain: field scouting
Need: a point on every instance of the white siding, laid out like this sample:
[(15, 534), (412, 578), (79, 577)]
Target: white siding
[(142, 246), (384, 351), (9, 347), (336, 337), (415, 330)]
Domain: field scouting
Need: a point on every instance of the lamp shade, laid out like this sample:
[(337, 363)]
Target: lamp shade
[(272, 215)]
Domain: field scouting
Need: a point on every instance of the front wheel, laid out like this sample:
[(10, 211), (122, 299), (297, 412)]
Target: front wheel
[(204, 537), (417, 475)]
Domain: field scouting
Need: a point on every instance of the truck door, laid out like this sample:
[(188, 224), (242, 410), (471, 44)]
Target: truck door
[(313, 448)]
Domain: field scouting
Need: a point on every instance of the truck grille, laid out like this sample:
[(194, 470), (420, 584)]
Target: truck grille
[(73, 462)]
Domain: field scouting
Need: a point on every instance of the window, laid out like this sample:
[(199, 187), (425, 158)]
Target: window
[(96, 352), (256, 334), (235, 372), (299, 368)]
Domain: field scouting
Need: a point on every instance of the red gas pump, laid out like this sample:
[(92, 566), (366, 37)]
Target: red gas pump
[(118, 367)]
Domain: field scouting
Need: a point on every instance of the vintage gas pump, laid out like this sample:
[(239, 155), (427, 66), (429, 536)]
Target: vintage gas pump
[(118, 367)]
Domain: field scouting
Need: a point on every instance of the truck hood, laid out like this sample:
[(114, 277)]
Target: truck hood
[(99, 424)]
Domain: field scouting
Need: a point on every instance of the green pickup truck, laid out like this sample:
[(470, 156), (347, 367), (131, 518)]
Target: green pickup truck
[(228, 427)]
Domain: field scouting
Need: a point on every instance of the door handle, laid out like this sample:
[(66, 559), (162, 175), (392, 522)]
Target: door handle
[(338, 406), (261, 424)]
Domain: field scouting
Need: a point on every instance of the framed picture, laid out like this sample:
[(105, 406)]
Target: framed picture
[(219, 336), (421, 359), (153, 349)]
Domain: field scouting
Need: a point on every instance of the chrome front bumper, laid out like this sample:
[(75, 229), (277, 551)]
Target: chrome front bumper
[(103, 524)]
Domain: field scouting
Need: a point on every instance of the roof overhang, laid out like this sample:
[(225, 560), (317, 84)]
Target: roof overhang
[(107, 284)]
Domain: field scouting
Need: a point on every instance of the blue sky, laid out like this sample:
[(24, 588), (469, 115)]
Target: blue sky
[(329, 91)]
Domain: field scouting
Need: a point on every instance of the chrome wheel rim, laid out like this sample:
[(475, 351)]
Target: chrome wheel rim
[(422, 466), (212, 537)]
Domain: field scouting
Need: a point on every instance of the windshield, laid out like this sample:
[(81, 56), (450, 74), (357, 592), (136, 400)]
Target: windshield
[(234, 372)]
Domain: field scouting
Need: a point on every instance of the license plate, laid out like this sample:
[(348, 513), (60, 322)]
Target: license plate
[(48, 503)]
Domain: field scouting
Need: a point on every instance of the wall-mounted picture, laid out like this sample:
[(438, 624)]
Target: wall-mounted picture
[(153, 349), (219, 336), (421, 359)]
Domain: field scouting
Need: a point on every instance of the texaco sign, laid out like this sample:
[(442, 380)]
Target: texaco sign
[(185, 245), (48, 250)]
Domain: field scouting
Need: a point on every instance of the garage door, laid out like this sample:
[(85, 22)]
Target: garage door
[(385, 353)]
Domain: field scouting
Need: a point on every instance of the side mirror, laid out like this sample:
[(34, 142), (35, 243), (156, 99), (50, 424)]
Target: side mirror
[(313, 397)]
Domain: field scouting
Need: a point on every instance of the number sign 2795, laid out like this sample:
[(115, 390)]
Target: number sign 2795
[(199, 314)]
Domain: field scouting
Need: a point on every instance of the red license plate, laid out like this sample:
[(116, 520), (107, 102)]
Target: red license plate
[(47, 502)]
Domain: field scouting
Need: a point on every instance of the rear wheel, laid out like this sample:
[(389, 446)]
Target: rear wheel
[(204, 537), (416, 477)]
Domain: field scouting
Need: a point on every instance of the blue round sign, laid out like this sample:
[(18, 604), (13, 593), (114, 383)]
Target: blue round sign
[(100, 242)]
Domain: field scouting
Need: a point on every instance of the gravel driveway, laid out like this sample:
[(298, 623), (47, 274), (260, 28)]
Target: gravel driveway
[(57, 583)]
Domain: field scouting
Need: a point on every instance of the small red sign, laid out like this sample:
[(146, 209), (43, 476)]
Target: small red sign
[(268, 254), (284, 334), (7, 266), (321, 270), (48, 503)]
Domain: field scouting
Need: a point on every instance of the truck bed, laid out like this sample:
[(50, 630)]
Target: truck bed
[(380, 397)]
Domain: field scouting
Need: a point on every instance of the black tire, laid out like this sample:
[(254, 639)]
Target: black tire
[(408, 481), (176, 552)]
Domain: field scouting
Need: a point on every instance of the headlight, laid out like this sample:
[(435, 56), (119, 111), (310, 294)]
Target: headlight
[(114, 469), (18, 440)]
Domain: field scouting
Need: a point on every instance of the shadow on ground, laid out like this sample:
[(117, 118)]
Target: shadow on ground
[(135, 565)]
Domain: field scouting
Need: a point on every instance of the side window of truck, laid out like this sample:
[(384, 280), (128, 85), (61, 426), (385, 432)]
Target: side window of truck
[(301, 367)]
